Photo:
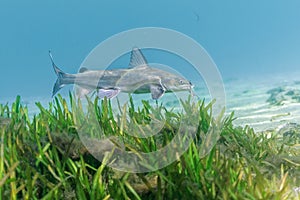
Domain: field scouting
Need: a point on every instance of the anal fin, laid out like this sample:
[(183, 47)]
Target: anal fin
[(81, 91)]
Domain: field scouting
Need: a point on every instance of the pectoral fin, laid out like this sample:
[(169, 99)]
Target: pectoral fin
[(109, 93), (157, 91)]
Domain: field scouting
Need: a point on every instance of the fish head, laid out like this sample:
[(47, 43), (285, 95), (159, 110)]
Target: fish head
[(176, 83)]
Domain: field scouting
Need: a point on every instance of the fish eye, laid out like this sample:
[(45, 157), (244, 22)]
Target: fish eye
[(181, 81)]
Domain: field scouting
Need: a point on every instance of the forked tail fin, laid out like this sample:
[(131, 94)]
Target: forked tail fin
[(60, 77)]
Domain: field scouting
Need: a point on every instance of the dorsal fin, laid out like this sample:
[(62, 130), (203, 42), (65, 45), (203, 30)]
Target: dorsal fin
[(137, 59), (83, 69)]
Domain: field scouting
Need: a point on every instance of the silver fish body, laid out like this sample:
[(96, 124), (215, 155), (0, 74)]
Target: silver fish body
[(138, 78)]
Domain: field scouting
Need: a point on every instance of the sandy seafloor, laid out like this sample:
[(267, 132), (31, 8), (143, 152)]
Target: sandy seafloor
[(247, 97), (251, 101)]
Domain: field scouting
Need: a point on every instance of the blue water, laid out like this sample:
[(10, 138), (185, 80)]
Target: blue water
[(254, 37)]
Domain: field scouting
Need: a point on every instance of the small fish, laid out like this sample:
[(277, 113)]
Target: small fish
[(138, 78)]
